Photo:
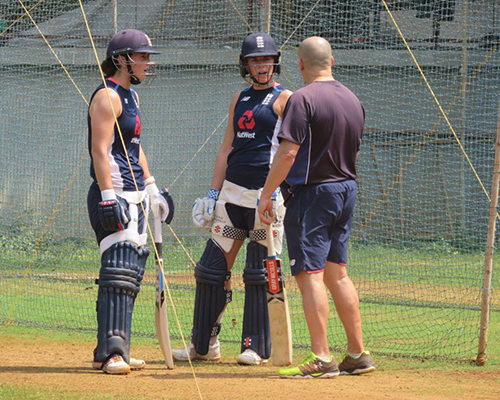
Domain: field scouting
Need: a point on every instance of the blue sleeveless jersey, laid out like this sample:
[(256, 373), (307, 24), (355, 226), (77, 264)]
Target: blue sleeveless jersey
[(130, 127), (255, 142)]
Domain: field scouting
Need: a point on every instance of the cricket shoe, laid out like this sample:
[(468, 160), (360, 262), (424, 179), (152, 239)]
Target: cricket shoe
[(311, 367), (250, 357), (212, 355), (116, 366), (134, 364), (357, 366)]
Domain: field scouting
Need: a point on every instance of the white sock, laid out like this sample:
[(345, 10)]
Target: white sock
[(354, 355)]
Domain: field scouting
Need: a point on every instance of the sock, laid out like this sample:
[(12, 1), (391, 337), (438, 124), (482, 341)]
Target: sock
[(354, 355), (324, 359)]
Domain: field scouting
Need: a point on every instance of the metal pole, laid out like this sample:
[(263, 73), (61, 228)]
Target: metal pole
[(488, 262), (267, 16), (115, 17)]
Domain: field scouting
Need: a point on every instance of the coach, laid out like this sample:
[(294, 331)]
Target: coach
[(316, 161)]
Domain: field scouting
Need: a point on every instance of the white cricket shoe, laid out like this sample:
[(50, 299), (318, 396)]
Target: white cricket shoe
[(116, 366), (250, 357), (212, 355), (134, 364)]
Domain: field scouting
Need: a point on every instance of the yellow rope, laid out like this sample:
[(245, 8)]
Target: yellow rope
[(445, 116), (53, 52), (20, 18), (299, 25), (241, 16)]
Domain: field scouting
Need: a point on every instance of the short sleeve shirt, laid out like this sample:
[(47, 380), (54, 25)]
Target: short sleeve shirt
[(326, 119)]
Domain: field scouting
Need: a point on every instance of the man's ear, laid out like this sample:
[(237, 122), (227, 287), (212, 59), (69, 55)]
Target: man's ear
[(332, 61), (301, 65)]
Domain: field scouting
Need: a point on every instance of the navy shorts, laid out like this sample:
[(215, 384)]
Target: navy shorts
[(318, 225)]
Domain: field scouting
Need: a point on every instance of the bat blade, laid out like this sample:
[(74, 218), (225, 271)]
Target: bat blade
[(161, 319), (277, 304)]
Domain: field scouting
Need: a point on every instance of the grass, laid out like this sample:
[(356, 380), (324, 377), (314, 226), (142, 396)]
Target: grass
[(414, 302)]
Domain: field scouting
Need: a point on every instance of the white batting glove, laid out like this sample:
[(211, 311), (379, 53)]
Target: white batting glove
[(203, 210), (159, 205)]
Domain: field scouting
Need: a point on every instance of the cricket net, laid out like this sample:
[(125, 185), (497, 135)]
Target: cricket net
[(417, 250)]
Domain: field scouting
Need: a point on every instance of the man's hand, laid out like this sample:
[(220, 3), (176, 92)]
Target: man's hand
[(266, 214), (203, 210), (113, 212)]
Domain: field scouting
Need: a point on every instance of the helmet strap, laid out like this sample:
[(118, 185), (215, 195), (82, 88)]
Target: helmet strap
[(133, 79)]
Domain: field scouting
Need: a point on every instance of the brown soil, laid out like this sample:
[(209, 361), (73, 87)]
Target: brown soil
[(41, 363)]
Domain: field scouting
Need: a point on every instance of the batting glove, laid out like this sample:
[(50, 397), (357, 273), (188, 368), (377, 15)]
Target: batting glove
[(162, 203), (113, 211), (203, 210)]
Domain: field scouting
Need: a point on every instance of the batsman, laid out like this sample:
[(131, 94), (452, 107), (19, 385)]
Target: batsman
[(229, 210), (119, 196)]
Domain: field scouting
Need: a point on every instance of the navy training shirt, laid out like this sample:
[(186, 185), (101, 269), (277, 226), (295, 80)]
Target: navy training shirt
[(327, 120), (130, 127), (256, 126)]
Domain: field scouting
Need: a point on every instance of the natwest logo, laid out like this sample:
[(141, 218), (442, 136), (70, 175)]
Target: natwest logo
[(247, 121)]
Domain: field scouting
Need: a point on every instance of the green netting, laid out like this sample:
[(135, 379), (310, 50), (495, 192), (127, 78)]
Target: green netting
[(417, 250)]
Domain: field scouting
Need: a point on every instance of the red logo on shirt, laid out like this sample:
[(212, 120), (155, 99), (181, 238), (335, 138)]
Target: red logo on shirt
[(246, 121), (137, 125)]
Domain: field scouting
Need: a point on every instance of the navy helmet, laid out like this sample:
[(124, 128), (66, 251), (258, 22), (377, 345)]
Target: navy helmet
[(259, 45), (129, 41)]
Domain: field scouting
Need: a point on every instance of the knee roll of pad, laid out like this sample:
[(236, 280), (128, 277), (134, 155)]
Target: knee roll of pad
[(211, 297), (256, 329), (122, 270)]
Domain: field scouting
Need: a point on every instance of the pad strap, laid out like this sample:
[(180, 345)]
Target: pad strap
[(230, 232), (257, 234)]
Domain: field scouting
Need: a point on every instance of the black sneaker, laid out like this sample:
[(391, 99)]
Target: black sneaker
[(357, 366)]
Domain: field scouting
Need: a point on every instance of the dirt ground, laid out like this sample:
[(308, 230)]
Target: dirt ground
[(41, 363)]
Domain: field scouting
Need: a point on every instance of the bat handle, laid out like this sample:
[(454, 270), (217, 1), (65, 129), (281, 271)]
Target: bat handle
[(271, 251), (158, 236)]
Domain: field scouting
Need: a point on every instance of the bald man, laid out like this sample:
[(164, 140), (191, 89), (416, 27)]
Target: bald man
[(316, 166)]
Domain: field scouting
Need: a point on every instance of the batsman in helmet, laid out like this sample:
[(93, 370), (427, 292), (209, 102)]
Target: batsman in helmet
[(117, 208), (229, 210)]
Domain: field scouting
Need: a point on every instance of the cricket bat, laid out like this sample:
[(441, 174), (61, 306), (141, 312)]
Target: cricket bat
[(161, 320), (277, 304)]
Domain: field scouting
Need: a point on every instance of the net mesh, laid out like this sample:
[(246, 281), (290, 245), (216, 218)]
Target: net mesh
[(417, 249)]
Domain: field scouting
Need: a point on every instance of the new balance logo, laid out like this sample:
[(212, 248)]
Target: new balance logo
[(246, 98), (135, 140)]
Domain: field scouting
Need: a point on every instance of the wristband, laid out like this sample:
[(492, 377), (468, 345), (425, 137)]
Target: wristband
[(213, 194), (108, 194), (151, 179)]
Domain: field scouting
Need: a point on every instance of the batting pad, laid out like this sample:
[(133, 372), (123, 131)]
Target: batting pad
[(256, 330), (211, 296), (120, 277)]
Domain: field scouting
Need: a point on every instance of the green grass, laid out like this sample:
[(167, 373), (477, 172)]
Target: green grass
[(414, 302), (14, 392)]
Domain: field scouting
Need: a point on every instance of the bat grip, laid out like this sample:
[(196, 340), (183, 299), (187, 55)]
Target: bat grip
[(271, 251), (158, 236)]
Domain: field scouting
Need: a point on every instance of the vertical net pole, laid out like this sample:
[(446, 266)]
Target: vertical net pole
[(115, 17), (463, 91), (488, 262), (266, 12)]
